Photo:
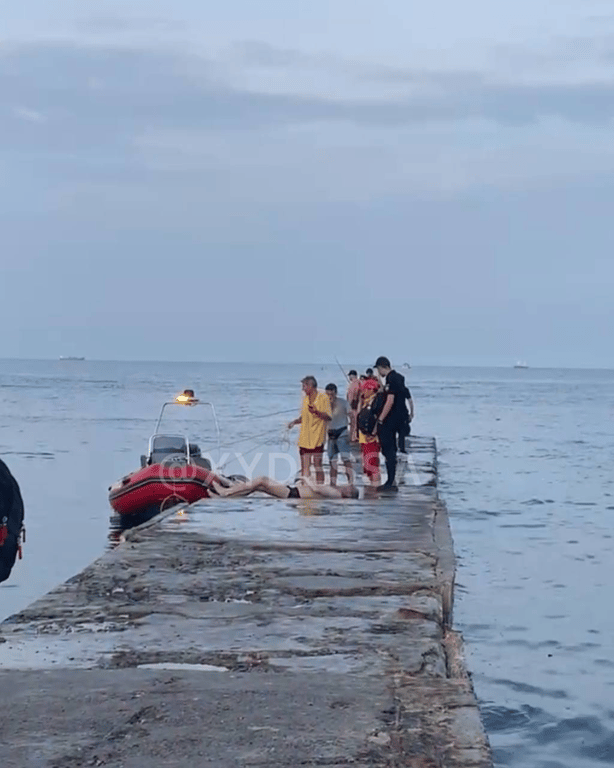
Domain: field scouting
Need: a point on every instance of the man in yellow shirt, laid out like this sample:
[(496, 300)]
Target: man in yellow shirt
[(315, 413)]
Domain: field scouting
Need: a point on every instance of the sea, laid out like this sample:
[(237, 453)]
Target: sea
[(526, 461)]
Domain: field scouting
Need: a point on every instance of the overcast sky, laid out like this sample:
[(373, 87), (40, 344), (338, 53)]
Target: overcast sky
[(289, 181)]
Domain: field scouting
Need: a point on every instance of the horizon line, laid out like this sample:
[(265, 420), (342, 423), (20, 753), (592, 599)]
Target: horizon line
[(511, 366)]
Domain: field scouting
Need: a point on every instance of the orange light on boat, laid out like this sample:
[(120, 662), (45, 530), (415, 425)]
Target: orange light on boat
[(186, 397)]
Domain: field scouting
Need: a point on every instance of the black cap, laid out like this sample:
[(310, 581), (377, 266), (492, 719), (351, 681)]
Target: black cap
[(383, 362)]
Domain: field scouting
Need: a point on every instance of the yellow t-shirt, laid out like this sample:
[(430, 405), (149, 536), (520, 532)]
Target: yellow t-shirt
[(313, 429)]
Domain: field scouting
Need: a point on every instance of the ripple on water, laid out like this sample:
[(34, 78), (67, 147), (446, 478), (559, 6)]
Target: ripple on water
[(523, 525), (584, 736), (576, 741), (30, 454), (520, 687), (498, 719)]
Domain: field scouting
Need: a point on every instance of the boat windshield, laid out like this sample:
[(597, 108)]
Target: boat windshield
[(166, 445)]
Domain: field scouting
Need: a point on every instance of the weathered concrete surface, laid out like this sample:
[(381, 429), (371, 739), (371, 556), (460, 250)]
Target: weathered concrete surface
[(252, 633)]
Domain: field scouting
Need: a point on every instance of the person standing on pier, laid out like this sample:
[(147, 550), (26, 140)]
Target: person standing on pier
[(369, 443), (338, 437), (353, 398), (315, 415), (390, 420), (11, 521), (408, 416)]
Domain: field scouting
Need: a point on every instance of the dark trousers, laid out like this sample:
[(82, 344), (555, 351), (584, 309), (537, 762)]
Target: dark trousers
[(404, 431), (388, 440)]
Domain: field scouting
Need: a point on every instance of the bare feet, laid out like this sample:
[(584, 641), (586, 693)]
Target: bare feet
[(220, 489)]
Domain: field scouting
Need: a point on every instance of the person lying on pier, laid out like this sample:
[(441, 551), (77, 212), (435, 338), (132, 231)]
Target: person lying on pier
[(304, 489)]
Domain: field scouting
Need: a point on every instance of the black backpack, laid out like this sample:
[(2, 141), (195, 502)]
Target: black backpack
[(367, 418), (11, 521)]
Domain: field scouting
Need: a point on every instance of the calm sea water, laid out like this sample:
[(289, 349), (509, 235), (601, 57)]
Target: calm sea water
[(526, 461)]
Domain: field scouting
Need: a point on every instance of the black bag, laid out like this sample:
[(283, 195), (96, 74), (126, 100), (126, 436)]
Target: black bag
[(335, 434), (11, 521), (367, 418)]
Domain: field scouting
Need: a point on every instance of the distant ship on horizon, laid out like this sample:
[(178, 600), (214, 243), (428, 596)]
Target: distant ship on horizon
[(521, 364), (71, 357)]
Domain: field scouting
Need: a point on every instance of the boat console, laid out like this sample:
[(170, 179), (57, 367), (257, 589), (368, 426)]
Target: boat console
[(173, 448)]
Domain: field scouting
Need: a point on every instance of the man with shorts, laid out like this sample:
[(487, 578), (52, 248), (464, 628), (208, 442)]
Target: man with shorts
[(338, 437), (315, 415)]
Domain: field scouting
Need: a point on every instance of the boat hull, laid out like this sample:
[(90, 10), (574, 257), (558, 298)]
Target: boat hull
[(158, 487)]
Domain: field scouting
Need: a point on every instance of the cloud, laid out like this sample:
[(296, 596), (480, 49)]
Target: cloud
[(258, 53), (542, 86), (480, 170), (30, 115), (109, 25), (102, 92), (122, 119), (255, 53)]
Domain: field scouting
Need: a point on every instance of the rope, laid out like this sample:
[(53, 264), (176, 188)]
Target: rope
[(275, 413), (262, 434), (283, 440), (220, 467), (249, 437), (243, 417)]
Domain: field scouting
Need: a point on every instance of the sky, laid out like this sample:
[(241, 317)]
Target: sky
[(285, 182)]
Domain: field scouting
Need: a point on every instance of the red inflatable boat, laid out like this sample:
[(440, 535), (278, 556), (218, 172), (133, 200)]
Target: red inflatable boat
[(173, 472), (159, 487)]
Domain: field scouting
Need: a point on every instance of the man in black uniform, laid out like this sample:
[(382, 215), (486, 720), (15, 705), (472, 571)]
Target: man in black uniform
[(390, 421), (11, 521), (408, 415)]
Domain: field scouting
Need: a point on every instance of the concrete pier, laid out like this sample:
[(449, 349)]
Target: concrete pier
[(252, 632)]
